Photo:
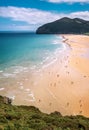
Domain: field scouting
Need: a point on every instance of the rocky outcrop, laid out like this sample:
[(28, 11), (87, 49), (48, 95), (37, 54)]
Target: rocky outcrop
[(5, 100)]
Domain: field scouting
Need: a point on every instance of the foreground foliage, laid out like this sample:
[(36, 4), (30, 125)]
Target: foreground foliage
[(30, 118)]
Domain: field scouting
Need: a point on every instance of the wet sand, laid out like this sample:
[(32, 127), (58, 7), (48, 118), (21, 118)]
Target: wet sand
[(62, 86)]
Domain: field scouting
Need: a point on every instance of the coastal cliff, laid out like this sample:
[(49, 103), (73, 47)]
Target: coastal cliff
[(65, 26), (30, 118)]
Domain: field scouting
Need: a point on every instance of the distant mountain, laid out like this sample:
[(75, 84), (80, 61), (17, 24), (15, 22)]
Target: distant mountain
[(65, 26)]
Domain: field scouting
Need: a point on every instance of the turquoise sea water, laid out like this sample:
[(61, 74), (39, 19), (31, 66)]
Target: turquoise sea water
[(27, 50)]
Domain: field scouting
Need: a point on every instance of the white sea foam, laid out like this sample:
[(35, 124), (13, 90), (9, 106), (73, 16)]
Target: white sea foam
[(27, 89), (25, 71), (31, 96), (12, 97), (48, 58), (20, 83), (53, 57), (56, 42), (45, 60), (33, 67), (46, 65), (19, 69), (1, 89), (16, 72), (7, 75), (1, 71)]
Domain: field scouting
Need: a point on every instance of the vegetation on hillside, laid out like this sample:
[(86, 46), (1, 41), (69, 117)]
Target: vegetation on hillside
[(30, 118), (87, 33), (65, 26)]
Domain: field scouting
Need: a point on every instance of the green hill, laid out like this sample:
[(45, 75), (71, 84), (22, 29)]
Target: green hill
[(65, 26), (30, 118)]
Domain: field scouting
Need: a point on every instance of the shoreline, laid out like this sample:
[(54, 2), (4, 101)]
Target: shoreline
[(74, 99), (83, 47), (65, 40), (61, 86)]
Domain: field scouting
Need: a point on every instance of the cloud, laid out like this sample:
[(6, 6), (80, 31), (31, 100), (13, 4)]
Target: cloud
[(35, 17), (82, 15), (68, 1), (29, 15)]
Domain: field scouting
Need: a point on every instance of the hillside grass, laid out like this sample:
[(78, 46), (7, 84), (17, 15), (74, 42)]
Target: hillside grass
[(31, 118)]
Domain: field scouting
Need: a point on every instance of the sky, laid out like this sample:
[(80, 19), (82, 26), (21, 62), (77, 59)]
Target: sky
[(28, 15)]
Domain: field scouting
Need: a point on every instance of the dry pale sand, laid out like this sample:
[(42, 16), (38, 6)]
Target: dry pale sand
[(63, 85)]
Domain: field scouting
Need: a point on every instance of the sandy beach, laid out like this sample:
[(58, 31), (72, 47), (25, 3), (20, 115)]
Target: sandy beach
[(66, 82), (61, 86)]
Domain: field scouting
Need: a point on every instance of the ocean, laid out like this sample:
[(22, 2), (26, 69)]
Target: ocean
[(22, 57), (24, 50)]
